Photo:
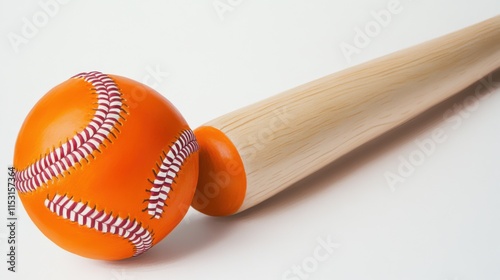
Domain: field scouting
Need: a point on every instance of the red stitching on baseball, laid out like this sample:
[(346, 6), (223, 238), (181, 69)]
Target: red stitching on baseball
[(83, 144), (171, 164), (81, 213)]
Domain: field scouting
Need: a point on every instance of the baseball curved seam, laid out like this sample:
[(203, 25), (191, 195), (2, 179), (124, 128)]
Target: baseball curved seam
[(84, 215), (70, 153), (171, 165)]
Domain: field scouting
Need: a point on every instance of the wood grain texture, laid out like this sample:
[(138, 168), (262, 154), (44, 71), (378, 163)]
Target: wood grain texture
[(291, 135)]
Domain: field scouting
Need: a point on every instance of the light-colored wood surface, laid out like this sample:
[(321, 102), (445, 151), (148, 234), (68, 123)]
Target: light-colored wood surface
[(289, 136)]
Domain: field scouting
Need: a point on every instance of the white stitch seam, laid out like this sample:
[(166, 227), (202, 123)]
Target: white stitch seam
[(83, 144), (81, 213), (171, 164)]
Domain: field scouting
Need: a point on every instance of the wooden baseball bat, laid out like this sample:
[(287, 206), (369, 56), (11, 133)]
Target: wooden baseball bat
[(254, 153)]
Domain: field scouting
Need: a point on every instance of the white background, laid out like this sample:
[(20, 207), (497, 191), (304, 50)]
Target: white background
[(441, 223)]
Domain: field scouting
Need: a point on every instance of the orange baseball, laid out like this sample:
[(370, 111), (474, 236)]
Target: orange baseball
[(106, 166)]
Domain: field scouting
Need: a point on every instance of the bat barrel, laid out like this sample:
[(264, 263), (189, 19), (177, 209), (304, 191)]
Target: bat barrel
[(263, 148)]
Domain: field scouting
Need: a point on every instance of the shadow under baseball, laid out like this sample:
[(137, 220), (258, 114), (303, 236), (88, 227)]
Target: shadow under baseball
[(194, 234)]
